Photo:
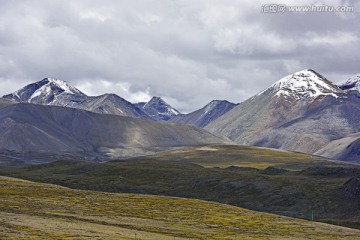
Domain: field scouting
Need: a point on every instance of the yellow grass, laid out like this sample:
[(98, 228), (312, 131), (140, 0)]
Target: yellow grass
[(31, 210)]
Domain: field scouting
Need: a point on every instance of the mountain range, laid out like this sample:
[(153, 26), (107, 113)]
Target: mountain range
[(302, 112), (59, 93)]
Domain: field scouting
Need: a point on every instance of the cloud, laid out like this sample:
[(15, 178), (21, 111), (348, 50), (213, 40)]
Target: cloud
[(188, 53)]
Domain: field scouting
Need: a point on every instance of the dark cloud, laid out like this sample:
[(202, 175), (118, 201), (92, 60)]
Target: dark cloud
[(188, 53)]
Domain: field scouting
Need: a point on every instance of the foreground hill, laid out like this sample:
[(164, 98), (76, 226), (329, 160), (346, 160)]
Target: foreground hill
[(301, 112), (29, 128), (266, 180), (31, 210)]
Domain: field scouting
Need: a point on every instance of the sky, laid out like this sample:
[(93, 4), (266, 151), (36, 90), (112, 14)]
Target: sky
[(187, 52)]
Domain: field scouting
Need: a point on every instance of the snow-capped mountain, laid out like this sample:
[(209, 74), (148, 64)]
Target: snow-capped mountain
[(48, 92), (301, 112), (352, 83), (158, 109), (59, 93), (305, 84), (205, 115)]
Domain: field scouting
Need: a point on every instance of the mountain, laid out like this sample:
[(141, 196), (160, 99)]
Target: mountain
[(158, 109), (29, 128), (303, 85), (48, 92), (301, 112), (58, 93), (112, 104), (205, 115), (352, 83)]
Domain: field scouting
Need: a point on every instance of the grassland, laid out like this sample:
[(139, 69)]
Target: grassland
[(289, 184), (31, 210)]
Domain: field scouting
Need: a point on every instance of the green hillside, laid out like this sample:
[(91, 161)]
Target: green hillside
[(31, 210)]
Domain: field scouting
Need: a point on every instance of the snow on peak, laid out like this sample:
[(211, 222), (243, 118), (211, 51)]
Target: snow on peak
[(44, 91), (306, 84), (353, 83), (61, 85)]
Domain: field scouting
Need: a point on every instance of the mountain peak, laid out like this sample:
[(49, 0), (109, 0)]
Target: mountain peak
[(156, 99), (306, 84), (60, 84), (353, 83), (44, 91), (159, 109)]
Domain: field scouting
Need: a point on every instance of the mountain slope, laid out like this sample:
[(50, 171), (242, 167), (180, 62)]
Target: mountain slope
[(205, 115), (58, 93), (158, 109), (301, 112), (40, 128), (347, 148)]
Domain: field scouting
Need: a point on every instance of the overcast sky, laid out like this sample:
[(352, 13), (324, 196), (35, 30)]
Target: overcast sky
[(188, 52)]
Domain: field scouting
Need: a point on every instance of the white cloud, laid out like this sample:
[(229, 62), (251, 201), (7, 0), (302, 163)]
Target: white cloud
[(333, 39)]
